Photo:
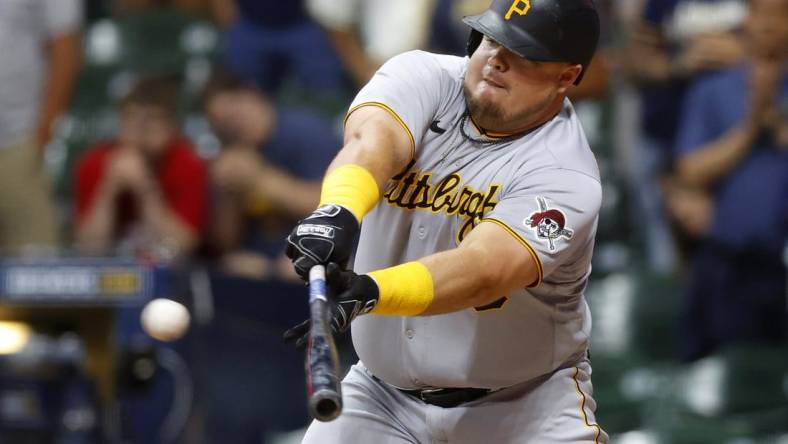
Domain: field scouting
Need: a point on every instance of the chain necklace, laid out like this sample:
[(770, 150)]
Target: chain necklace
[(464, 120)]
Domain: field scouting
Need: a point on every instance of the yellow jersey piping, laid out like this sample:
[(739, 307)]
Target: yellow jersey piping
[(539, 268), (393, 114), (583, 408)]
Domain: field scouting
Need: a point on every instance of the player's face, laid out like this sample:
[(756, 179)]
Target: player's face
[(506, 92), (146, 127), (239, 117), (766, 27)]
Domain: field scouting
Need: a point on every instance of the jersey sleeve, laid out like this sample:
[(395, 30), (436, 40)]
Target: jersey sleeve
[(410, 87), (553, 214)]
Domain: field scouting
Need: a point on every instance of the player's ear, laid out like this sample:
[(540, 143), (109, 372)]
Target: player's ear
[(567, 76)]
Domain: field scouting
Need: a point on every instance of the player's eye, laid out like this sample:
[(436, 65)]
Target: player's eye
[(488, 40)]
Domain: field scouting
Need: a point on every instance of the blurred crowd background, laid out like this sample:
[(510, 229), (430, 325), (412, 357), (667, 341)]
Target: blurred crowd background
[(194, 133)]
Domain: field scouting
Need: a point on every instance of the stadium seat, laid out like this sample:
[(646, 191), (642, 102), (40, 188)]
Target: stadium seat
[(740, 392), (631, 344), (634, 314)]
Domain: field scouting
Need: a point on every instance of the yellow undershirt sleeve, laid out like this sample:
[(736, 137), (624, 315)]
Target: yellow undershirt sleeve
[(353, 187), (405, 290)]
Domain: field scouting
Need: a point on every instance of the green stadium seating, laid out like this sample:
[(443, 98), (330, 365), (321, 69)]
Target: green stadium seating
[(738, 393)]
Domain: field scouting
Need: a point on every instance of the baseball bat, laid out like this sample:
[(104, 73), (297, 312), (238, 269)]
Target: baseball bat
[(324, 392)]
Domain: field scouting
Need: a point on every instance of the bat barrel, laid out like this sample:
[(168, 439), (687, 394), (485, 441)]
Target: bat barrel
[(323, 386), (325, 405)]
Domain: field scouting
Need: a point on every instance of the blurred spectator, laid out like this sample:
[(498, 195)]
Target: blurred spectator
[(269, 41), (675, 41), (448, 34), (148, 186), (40, 44), (672, 43), (596, 79), (366, 33), (266, 176), (732, 171)]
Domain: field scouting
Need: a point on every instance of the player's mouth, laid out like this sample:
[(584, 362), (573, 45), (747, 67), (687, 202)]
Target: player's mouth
[(493, 83)]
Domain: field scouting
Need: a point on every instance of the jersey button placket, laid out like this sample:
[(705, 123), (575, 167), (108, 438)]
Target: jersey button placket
[(409, 333), (422, 232)]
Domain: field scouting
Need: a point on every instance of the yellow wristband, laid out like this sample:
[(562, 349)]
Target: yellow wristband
[(405, 290), (353, 187)]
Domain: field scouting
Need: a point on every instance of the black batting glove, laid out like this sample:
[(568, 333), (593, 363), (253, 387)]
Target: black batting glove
[(324, 236), (349, 294)]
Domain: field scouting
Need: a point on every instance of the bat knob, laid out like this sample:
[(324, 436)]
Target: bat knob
[(325, 405)]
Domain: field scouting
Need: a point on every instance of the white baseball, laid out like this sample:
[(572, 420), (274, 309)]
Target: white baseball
[(165, 319)]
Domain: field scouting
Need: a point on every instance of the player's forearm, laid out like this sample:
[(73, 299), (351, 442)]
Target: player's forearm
[(464, 278), (448, 281), (377, 146), (445, 282), (488, 265), (371, 153), (705, 166), (375, 149), (64, 62), (375, 141)]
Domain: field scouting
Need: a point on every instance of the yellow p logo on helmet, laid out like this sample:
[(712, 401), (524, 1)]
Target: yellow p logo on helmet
[(521, 7)]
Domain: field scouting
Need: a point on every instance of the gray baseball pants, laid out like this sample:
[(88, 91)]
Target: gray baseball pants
[(554, 409)]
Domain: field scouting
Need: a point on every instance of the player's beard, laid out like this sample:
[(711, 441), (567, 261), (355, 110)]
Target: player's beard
[(493, 117)]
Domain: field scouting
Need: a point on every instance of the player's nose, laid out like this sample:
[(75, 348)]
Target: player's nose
[(497, 59)]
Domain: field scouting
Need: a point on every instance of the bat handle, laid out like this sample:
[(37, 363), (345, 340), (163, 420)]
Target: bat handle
[(323, 385)]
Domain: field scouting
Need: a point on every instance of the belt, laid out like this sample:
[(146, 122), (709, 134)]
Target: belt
[(448, 397), (443, 397)]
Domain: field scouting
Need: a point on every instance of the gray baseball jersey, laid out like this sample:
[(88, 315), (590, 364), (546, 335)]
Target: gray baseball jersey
[(543, 188)]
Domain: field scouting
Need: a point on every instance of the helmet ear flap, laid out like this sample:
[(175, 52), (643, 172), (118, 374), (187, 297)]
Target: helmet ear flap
[(474, 40)]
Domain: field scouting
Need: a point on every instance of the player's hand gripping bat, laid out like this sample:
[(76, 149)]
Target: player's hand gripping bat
[(323, 388), (352, 295)]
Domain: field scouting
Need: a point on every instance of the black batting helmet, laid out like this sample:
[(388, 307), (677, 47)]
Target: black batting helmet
[(540, 30)]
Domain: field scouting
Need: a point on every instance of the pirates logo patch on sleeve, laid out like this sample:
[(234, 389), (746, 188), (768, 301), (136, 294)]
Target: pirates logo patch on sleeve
[(549, 223)]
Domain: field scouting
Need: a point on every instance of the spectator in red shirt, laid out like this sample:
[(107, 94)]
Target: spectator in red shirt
[(148, 186)]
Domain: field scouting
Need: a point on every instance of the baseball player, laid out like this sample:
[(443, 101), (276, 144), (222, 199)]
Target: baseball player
[(479, 197)]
